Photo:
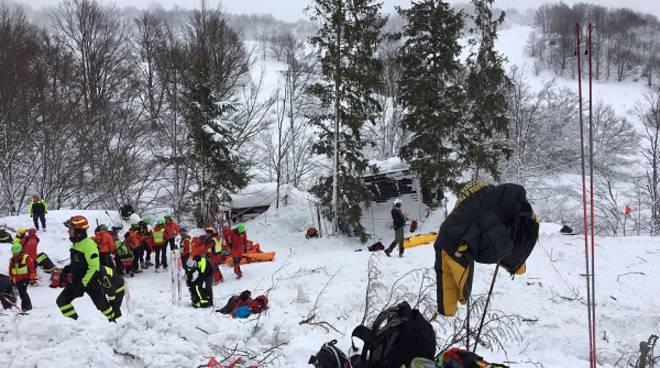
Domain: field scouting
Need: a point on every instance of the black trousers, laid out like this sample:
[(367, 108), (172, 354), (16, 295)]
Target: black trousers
[(76, 290), (106, 259), (201, 291), (26, 303), (137, 257), (172, 244), (161, 255), (113, 287), (39, 216)]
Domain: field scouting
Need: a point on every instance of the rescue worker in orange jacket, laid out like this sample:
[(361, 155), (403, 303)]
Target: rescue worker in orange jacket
[(30, 242), (157, 242), (171, 231), (133, 240), (20, 269), (106, 245)]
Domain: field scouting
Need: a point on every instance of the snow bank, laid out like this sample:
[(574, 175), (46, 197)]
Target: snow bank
[(326, 279)]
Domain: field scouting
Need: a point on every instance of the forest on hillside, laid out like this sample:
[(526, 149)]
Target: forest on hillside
[(102, 106)]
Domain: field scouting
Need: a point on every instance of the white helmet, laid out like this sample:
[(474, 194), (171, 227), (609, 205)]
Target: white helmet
[(397, 202)]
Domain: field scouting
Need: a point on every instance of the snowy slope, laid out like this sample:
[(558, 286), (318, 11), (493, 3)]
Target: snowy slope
[(622, 96), (154, 333)]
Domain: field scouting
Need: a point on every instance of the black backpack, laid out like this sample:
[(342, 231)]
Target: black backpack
[(398, 335), (330, 357)]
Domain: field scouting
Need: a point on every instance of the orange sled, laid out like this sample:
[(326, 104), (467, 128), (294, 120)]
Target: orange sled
[(252, 257)]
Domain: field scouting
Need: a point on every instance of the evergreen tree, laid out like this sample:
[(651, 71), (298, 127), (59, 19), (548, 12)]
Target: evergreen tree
[(482, 137), (346, 42), (430, 91), (217, 62)]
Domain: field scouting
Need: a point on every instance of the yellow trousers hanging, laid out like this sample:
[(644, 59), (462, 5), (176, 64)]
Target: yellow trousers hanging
[(454, 276)]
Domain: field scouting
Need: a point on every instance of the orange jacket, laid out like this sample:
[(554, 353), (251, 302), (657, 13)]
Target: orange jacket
[(21, 267), (133, 239), (105, 242), (171, 229)]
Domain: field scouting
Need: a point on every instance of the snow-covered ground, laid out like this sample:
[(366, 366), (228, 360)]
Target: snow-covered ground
[(622, 96), (155, 333)]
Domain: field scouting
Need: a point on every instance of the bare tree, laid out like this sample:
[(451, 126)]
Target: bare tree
[(96, 37), (18, 160), (648, 112)]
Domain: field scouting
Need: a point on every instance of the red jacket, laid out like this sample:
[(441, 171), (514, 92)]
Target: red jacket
[(30, 244), (21, 267), (198, 247), (105, 242), (171, 229), (186, 246), (237, 243)]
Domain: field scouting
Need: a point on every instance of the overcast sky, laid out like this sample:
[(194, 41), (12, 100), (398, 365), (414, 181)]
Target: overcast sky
[(292, 10)]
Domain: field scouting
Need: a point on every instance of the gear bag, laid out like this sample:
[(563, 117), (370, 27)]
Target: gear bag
[(459, 358), (398, 335), (376, 247), (413, 226), (330, 357)]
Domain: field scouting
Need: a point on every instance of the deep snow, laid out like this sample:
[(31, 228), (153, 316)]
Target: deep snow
[(155, 333)]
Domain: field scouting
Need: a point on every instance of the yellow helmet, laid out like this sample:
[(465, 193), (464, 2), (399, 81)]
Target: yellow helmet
[(20, 231)]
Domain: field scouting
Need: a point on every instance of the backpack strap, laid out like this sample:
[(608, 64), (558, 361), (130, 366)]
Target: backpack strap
[(362, 333)]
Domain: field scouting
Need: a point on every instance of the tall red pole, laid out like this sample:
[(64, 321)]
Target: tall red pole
[(578, 32), (591, 175)]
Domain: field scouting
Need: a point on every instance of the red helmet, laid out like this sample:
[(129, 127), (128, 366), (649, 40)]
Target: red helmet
[(77, 222), (35, 197), (32, 232)]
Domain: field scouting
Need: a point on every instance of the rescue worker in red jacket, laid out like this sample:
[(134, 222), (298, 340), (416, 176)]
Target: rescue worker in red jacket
[(171, 231), (158, 244), (85, 270), (20, 269), (145, 255), (30, 242), (185, 245), (237, 239), (106, 245)]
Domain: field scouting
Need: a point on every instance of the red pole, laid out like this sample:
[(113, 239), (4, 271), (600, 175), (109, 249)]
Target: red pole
[(584, 194), (591, 173)]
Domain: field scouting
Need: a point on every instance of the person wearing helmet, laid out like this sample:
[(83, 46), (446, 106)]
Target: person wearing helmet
[(185, 245), (20, 233), (145, 234), (399, 221), (106, 244), (200, 281), (113, 287), (38, 208), (85, 272), (20, 269), (157, 242), (171, 231), (237, 240), (133, 240), (30, 242)]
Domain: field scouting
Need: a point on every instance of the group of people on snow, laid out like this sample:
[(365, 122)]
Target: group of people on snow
[(98, 262)]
